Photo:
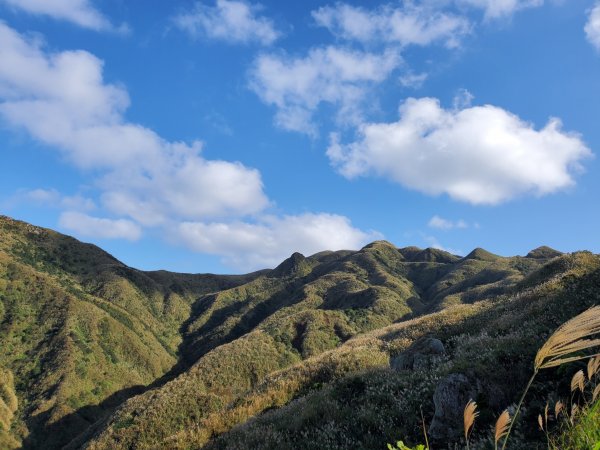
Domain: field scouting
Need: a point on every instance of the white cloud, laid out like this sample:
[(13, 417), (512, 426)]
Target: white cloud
[(297, 86), (592, 26), (496, 9), (230, 21), (407, 25), (250, 246), (62, 100), (433, 242), (480, 154), (445, 224), (413, 80), (79, 12), (88, 226), (52, 198)]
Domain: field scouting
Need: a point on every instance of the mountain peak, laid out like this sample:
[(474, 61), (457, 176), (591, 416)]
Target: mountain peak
[(482, 255), (543, 252), (293, 266)]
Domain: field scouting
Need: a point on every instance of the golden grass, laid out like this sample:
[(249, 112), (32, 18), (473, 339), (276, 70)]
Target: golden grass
[(558, 408), (569, 339), (469, 415), (593, 366), (578, 381), (564, 346), (501, 427)]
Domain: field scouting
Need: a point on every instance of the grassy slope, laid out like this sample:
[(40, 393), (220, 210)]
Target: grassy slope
[(83, 330), (258, 333), (79, 330), (367, 404)]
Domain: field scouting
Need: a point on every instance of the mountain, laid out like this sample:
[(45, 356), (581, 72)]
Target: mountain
[(324, 351), (80, 331)]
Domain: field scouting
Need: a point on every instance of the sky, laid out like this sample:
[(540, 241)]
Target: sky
[(223, 135)]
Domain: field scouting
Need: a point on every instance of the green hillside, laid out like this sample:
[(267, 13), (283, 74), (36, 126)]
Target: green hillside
[(81, 331), (334, 350), (303, 309)]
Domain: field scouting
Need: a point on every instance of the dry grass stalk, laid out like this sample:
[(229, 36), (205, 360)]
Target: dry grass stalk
[(578, 381), (562, 347), (541, 422), (558, 407), (596, 393), (593, 366), (501, 426), (574, 412), (569, 339), (469, 415)]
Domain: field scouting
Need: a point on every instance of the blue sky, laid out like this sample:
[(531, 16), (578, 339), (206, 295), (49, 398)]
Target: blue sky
[(221, 135)]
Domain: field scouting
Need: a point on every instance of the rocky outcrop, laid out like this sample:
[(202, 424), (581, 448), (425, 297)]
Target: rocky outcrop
[(420, 355), (450, 397)]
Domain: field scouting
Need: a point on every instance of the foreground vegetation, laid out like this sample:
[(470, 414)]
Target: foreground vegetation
[(313, 354)]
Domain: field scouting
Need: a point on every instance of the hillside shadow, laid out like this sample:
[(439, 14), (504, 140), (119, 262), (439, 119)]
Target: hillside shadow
[(72, 430)]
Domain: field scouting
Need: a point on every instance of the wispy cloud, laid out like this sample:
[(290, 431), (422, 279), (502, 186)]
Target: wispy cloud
[(229, 21), (413, 80), (409, 24), (51, 198), (78, 12), (297, 86), (592, 26), (499, 9), (432, 241), (88, 226), (445, 224)]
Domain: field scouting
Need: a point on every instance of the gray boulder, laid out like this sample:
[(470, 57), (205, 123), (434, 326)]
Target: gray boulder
[(450, 398), (419, 355)]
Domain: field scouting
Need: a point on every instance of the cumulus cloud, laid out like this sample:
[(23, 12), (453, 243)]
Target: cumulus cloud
[(143, 180), (296, 86), (445, 224), (62, 100), (496, 9), (230, 21), (409, 24), (88, 226), (266, 243), (480, 154), (79, 12), (592, 26)]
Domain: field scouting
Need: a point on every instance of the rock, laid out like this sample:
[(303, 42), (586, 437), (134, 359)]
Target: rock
[(450, 397), (419, 355)]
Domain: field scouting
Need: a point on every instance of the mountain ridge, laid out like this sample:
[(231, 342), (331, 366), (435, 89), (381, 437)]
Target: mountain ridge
[(196, 345)]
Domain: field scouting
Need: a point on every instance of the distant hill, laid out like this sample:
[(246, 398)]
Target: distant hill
[(104, 356)]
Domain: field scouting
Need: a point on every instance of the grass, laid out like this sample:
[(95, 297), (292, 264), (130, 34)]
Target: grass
[(293, 358)]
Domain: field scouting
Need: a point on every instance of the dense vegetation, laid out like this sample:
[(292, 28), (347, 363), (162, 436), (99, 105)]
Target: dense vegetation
[(295, 357)]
